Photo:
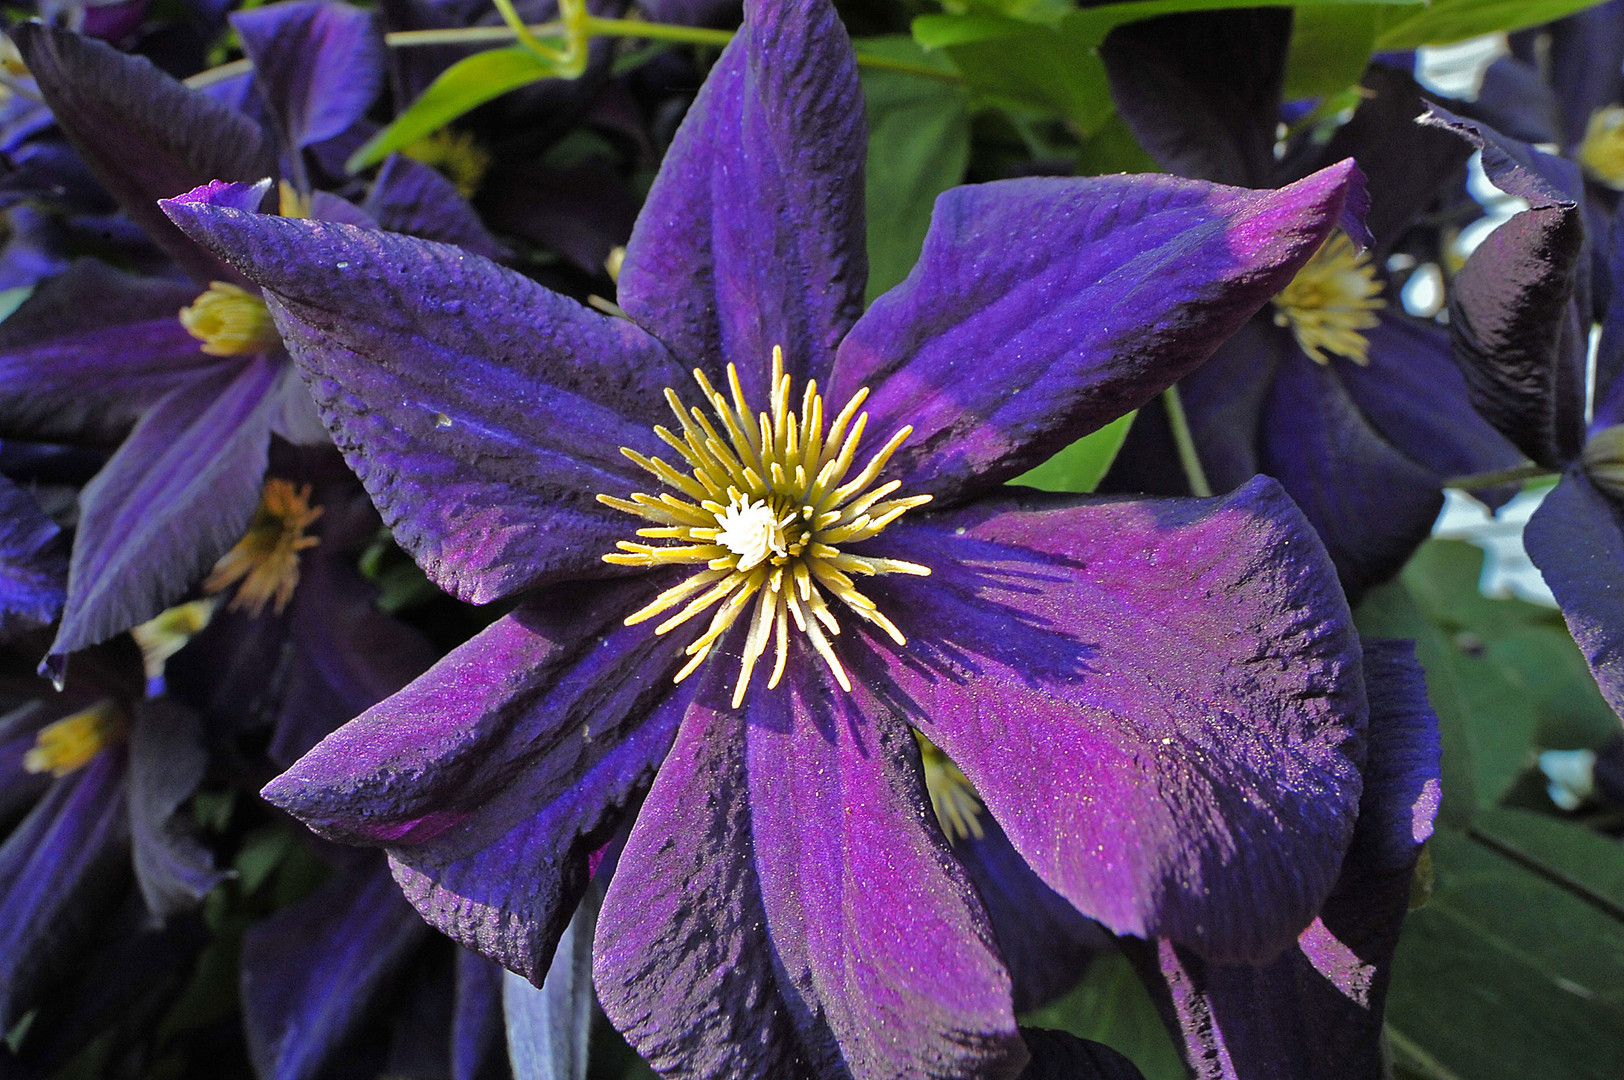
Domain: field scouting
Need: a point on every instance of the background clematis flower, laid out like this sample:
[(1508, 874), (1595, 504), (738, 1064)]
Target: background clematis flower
[(1159, 702), (1354, 406)]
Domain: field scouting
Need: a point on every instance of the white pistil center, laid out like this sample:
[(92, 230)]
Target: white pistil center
[(764, 509)]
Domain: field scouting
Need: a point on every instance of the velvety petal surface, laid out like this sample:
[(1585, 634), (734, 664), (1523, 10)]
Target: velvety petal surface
[(1159, 701), (171, 501), (412, 198), (477, 1042), (1060, 1055), (1576, 538), (318, 65), (1201, 91), (488, 479), (753, 234), (144, 135), (91, 350), (167, 761), (33, 564), (312, 971), (1224, 400), (1316, 1012), (1042, 308)]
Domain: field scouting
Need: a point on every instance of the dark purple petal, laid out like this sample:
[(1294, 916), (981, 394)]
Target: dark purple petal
[(476, 1026), (1060, 1055), (1316, 1012), (33, 564), (1515, 100), (19, 729), (488, 479), (753, 233), (167, 762), (1042, 308), (1515, 307), (1576, 538), (58, 869), (1370, 503), (144, 135), (312, 972), (881, 947), (318, 65), (1225, 398), (1160, 702), (582, 211), (234, 194), (1587, 65), (91, 350), (1201, 91), (683, 960), (410, 197), (177, 495)]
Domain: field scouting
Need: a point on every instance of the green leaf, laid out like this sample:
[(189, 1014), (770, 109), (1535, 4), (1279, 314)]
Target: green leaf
[(12, 299), (919, 146), (461, 87), (1081, 466), (1545, 666), (1584, 862), (1446, 21), (1330, 47), (1111, 1006), (1506, 976)]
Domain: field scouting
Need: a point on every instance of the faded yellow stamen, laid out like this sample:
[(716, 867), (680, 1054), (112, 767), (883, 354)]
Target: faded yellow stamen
[(1601, 153), (266, 559), (1330, 300), (456, 154), (166, 633), (763, 506), (70, 743), (229, 321), (1604, 459), (291, 202), (955, 801)]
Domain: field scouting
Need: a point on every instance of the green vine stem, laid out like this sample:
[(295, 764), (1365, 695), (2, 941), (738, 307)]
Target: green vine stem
[(1188, 457)]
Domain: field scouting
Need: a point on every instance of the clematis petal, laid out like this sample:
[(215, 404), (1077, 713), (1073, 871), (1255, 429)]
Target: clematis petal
[(1082, 300), (1316, 1012), (882, 949), (58, 870), (1576, 538), (1160, 702), (90, 351), (462, 470), (1060, 1055), (1370, 503), (409, 197), (1515, 307), (33, 564), (477, 1041), (312, 972), (171, 501), (319, 66), (1226, 397), (683, 960), (144, 135), (167, 762), (753, 233), (1201, 91)]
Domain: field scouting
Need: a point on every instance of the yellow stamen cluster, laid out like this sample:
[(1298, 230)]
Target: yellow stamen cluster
[(229, 321), (68, 744), (763, 510), (1601, 153), (1330, 300), (456, 154), (954, 799), (266, 559)]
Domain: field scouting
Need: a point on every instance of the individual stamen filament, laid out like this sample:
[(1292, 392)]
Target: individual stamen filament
[(760, 513)]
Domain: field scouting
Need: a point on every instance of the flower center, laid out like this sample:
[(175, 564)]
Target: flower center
[(763, 509), (1330, 300), (457, 155), (266, 559), (229, 321), (68, 744), (958, 807), (1601, 153)]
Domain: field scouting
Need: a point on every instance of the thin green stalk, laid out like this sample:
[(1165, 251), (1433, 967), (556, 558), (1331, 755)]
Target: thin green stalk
[(1188, 457), (1517, 474)]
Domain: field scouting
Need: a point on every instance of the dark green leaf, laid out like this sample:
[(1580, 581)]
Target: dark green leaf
[(1111, 1006), (1080, 466), (461, 87), (1586, 863), (919, 145), (1445, 21), (1330, 46)]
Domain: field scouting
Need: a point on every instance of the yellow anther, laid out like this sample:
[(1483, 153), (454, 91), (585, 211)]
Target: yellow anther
[(1601, 154), (1330, 301), (266, 559), (230, 321), (456, 154), (291, 202), (166, 633), (70, 743), (958, 807), (770, 502)]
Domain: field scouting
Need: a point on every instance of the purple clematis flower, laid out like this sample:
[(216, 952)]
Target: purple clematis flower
[(1159, 702), (1354, 406)]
